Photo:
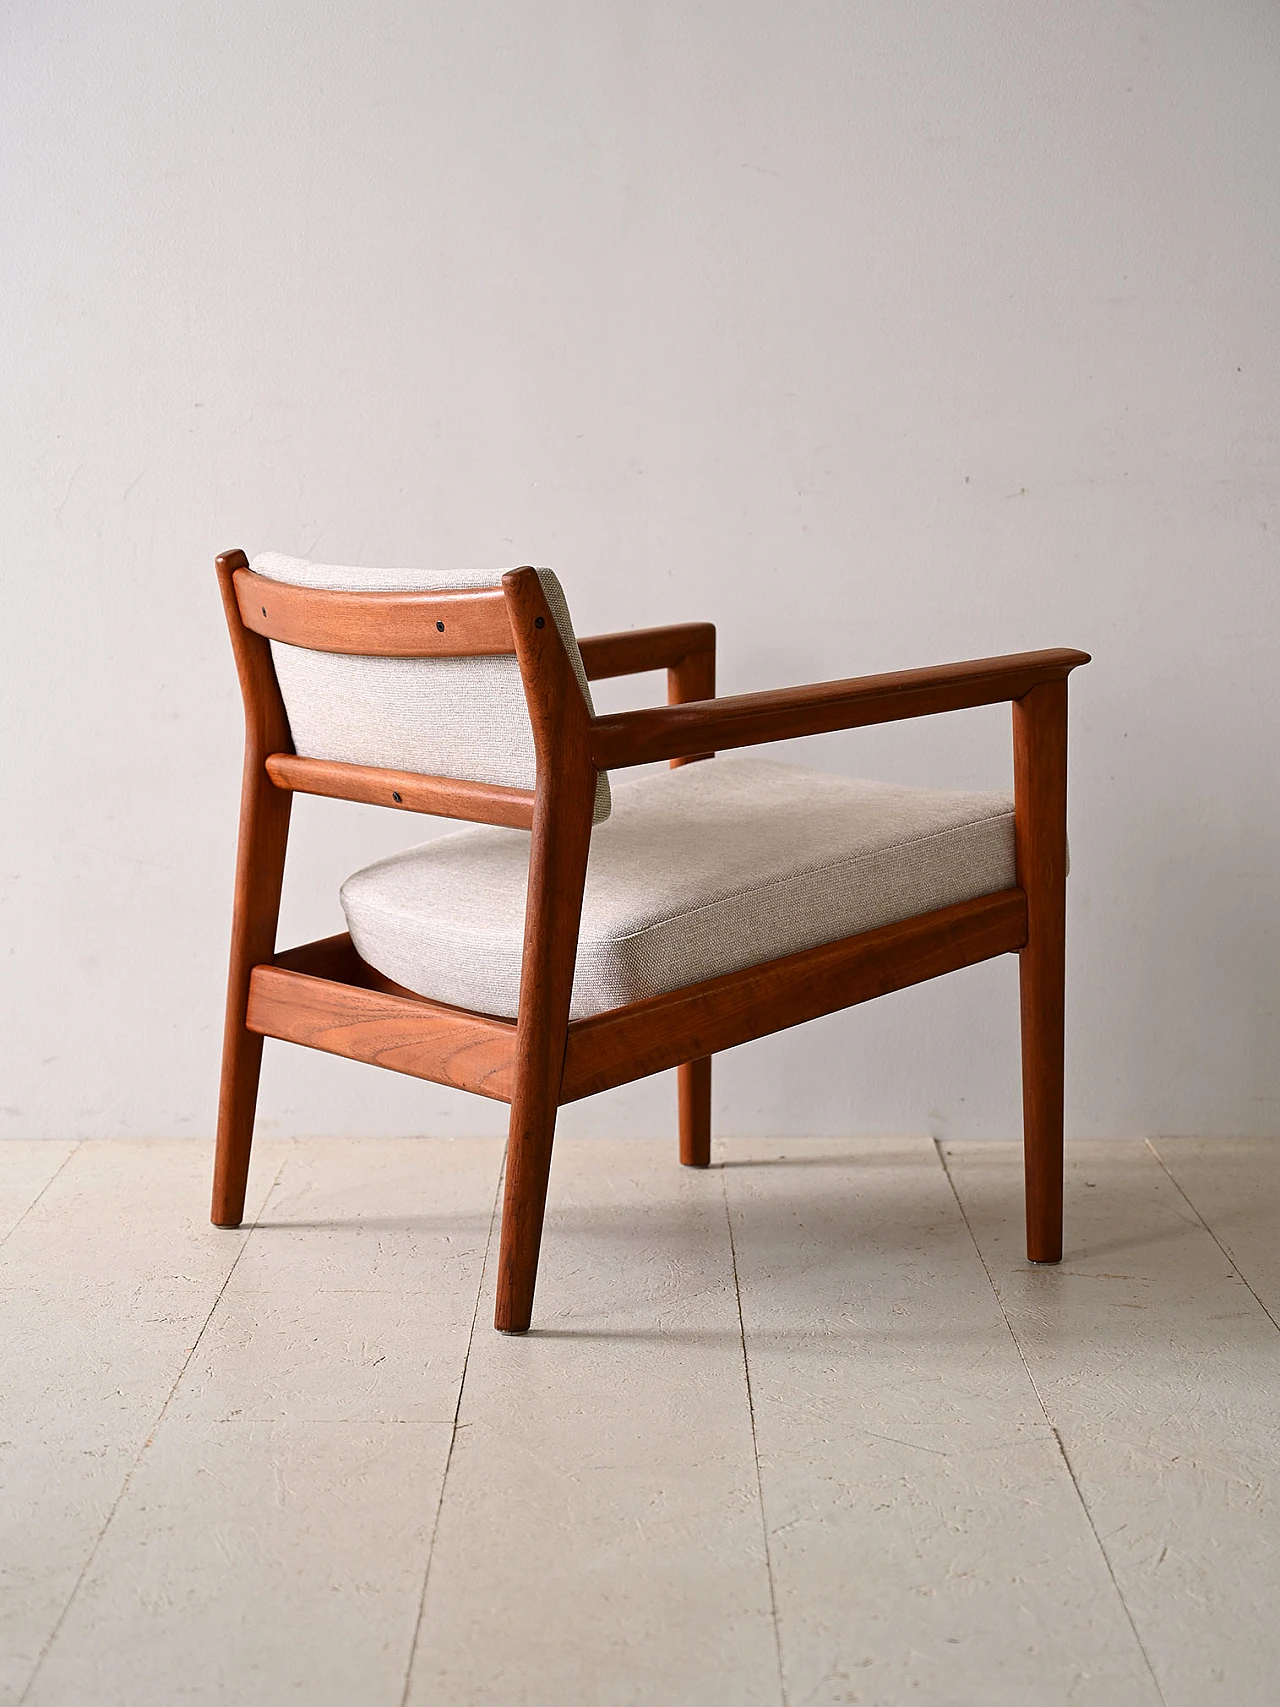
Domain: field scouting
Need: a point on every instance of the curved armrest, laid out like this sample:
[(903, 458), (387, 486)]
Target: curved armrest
[(635, 650), (749, 719)]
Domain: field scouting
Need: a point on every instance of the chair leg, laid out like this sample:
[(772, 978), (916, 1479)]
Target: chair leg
[(694, 1083), (237, 1105), (264, 835), (1041, 982), (1040, 784), (531, 1133)]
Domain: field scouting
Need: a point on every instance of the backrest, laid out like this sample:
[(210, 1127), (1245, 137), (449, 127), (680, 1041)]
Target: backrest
[(452, 717)]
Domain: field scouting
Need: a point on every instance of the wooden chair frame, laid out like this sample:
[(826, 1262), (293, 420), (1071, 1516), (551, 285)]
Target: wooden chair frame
[(323, 995)]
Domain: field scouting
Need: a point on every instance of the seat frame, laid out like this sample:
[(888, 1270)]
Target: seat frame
[(324, 996)]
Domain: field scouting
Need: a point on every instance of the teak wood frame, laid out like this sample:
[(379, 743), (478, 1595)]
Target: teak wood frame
[(323, 995)]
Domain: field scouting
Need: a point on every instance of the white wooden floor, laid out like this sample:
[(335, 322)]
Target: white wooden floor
[(803, 1429)]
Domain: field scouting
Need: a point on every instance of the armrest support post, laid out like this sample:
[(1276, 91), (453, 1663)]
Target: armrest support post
[(1040, 833), (693, 677)]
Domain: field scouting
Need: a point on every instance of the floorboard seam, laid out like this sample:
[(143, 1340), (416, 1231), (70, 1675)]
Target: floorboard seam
[(74, 1151), (1051, 1425), (453, 1436), (1235, 1267), (127, 1483), (755, 1449)]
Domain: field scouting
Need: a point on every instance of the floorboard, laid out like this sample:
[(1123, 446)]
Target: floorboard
[(1161, 1373), (27, 1166), (600, 1539), (921, 1518), (801, 1429), (272, 1540), (1233, 1184)]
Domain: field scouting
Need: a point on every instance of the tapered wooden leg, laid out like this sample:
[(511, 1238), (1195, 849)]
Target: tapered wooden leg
[(264, 834), (1040, 783), (530, 1135), (694, 1084), (557, 872)]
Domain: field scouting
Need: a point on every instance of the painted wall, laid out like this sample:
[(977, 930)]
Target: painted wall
[(880, 334)]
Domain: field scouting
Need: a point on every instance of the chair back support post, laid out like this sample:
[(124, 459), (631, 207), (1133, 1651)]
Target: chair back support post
[(1040, 831), (260, 856), (562, 814)]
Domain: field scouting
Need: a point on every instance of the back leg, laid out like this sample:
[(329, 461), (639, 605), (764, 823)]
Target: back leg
[(694, 1082), (264, 833)]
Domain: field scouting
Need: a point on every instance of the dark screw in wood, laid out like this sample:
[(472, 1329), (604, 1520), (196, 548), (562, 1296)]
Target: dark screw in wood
[(539, 622), (440, 626), (395, 796)]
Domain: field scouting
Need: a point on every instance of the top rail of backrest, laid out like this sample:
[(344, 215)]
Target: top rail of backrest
[(465, 624)]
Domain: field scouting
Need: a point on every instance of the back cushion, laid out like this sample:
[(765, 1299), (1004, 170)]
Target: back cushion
[(458, 717)]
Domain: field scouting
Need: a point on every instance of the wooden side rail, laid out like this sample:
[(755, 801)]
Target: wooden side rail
[(429, 1040), (636, 650), (406, 791), (376, 625), (629, 1043), (748, 719)]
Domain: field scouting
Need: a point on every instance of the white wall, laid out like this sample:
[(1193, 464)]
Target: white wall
[(880, 334)]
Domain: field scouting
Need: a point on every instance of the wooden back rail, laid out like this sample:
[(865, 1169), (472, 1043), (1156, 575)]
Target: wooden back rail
[(466, 624), (405, 791)]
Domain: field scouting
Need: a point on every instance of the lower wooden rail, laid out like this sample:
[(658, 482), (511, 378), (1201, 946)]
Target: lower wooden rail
[(324, 996), (470, 1051), (629, 1043)]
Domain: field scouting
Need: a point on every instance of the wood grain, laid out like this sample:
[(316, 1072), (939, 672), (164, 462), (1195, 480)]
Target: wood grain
[(406, 791), (335, 957), (693, 678), (260, 856), (629, 1043), (745, 720), (376, 625), (566, 788), (1040, 831), (693, 1094), (428, 1040), (633, 651)]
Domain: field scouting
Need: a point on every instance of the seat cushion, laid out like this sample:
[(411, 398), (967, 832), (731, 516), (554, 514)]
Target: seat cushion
[(700, 871)]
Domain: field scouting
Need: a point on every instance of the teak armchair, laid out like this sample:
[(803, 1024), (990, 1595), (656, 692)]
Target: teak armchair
[(447, 637)]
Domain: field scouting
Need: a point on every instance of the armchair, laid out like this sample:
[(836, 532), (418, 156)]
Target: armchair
[(585, 936)]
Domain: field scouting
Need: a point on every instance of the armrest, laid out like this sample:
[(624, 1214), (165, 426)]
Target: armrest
[(636, 650), (749, 719)]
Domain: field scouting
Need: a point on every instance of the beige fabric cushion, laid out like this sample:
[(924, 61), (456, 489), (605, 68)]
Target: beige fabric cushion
[(699, 871), (459, 717)]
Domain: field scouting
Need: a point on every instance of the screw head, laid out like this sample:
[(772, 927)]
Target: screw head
[(440, 627), (395, 796), (539, 622)]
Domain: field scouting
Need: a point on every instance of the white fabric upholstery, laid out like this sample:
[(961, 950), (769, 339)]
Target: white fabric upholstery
[(458, 717), (699, 871)]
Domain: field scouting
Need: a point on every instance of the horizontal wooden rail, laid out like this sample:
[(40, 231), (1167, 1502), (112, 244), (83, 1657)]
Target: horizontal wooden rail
[(335, 957), (428, 1040), (463, 624), (407, 791), (748, 719), (629, 1043), (635, 650)]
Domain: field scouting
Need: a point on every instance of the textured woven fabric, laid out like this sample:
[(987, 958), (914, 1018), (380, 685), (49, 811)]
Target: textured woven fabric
[(699, 871), (458, 717)]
